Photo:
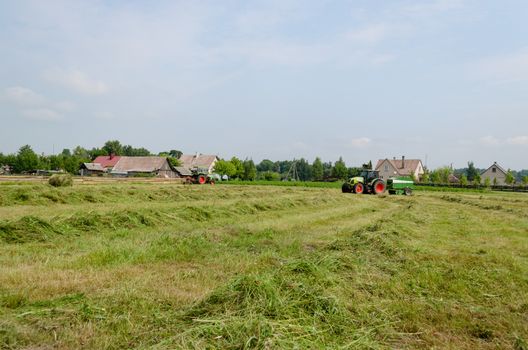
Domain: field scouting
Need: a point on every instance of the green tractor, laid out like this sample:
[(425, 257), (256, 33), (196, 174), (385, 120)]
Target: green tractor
[(367, 182)]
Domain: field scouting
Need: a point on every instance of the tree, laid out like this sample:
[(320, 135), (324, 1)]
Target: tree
[(239, 166), (130, 151), (81, 153), (340, 170), (463, 180), (66, 152), (96, 152), (487, 182), (270, 176), (425, 177), (266, 165), (304, 169), (250, 171), (113, 147), (525, 180), (510, 179), (175, 153), (477, 179), (26, 160), (225, 167), (494, 181), (353, 172), (471, 171), (317, 169)]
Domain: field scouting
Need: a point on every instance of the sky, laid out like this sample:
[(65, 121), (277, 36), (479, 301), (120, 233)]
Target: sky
[(442, 81)]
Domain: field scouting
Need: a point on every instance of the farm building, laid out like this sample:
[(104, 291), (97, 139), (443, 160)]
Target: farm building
[(198, 160), (89, 169), (495, 173), (107, 162), (400, 167), (150, 166)]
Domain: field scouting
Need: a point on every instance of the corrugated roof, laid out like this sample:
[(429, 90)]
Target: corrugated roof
[(139, 164), (93, 166), (200, 160), (409, 166), (107, 161)]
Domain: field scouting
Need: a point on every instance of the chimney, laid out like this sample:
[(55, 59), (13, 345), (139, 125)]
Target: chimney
[(111, 155), (403, 162)]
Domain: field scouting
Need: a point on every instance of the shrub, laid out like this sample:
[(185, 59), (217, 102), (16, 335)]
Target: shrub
[(61, 180)]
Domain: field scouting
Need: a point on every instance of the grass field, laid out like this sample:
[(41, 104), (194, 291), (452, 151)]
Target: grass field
[(165, 266)]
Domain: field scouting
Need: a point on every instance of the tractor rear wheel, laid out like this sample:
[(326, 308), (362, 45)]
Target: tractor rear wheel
[(201, 179), (378, 187), (359, 188), (346, 188)]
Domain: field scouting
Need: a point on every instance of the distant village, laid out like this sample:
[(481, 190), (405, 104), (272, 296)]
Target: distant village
[(116, 160)]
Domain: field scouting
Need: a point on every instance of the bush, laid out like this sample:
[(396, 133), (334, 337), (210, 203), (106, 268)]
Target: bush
[(61, 180)]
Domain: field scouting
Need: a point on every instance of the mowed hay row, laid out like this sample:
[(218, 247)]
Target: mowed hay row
[(273, 268)]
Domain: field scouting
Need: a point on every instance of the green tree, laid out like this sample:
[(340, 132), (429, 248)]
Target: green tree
[(96, 152), (495, 181), (26, 160), (425, 177), (510, 179), (81, 153), (130, 151), (525, 180), (317, 169), (66, 152), (472, 172), (250, 170), (239, 166), (487, 182), (477, 179), (225, 167), (463, 180), (340, 170), (175, 153), (270, 176), (266, 165), (304, 169), (113, 147)]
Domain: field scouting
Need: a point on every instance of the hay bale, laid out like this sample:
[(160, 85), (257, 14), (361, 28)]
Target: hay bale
[(62, 180)]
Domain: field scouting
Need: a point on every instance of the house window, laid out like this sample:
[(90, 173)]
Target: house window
[(386, 167), (493, 170)]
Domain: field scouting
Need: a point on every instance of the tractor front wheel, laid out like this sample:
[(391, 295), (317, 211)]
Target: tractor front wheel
[(346, 188), (378, 187), (359, 188)]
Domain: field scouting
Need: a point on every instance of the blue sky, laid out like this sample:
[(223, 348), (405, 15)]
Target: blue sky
[(270, 79)]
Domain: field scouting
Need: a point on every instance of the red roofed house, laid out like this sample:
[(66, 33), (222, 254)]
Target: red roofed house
[(107, 162), (400, 167)]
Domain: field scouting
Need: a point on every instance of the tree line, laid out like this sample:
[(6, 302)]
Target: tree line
[(26, 160)]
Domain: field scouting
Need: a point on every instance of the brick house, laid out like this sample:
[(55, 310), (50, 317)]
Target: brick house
[(494, 172), (400, 167)]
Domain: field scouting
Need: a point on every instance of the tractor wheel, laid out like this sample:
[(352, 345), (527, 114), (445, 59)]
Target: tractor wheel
[(346, 188), (201, 179), (378, 187), (359, 188), (407, 191)]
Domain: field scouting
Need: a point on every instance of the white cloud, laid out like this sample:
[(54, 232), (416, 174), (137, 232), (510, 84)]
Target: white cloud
[(23, 96), (490, 141), (77, 81), (518, 140), (360, 142), (42, 114), (505, 68)]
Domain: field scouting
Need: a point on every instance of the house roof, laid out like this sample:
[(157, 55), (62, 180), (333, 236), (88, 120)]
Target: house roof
[(199, 160), (409, 165), (93, 166), (107, 161), (139, 164), (183, 171), (496, 166)]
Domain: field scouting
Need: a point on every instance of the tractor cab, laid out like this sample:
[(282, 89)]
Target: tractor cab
[(369, 175)]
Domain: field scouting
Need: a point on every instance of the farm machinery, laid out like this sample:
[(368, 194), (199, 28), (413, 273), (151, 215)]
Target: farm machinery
[(368, 181), (400, 185), (198, 176)]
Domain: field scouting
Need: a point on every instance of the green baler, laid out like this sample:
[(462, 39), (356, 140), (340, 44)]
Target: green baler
[(400, 185)]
